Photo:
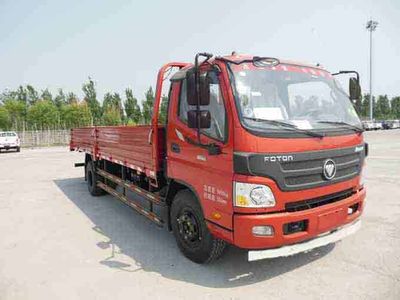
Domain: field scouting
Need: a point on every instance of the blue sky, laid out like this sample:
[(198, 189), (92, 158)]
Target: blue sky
[(58, 44)]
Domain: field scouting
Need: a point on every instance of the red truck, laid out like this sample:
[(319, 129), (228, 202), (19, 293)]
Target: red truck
[(257, 152)]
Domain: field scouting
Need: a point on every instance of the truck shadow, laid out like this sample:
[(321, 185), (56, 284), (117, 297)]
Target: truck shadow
[(132, 243)]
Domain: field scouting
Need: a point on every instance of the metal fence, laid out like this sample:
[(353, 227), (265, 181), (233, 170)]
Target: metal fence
[(43, 138)]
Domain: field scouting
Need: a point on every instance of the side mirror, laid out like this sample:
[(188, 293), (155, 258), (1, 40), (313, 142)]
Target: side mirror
[(354, 89), (199, 119), (204, 89)]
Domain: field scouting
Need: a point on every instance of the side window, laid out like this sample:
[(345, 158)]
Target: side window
[(183, 106), (217, 110), (217, 129)]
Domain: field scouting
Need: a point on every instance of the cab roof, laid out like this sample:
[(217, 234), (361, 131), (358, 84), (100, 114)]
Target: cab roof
[(240, 57), (181, 74)]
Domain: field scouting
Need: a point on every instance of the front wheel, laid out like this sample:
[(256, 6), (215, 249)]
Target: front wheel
[(190, 230)]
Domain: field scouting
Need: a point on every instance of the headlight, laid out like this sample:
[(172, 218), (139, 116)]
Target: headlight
[(253, 195)]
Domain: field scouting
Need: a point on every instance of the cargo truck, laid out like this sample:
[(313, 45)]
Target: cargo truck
[(257, 152)]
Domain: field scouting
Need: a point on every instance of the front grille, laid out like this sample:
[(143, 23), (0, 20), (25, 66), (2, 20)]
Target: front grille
[(301, 170), (316, 202), (316, 163), (300, 180), (309, 173)]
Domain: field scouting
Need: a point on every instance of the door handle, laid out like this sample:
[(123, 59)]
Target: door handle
[(175, 148)]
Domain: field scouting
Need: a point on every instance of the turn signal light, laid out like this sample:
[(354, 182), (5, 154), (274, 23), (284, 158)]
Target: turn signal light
[(216, 215)]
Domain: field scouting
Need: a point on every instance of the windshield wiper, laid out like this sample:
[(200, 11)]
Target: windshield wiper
[(354, 127), (287, 126)]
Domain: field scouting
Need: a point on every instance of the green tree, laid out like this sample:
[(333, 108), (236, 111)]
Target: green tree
[(395, 104), (17, 113), (75, 115), (60, 99), (21, 94), (109, 101), (148, 106), (113, 101), (111, 116), (382, 107), (71, 98), (7, 96), (132, 109), (32, 94), (43, 115), (46, 95), (365, 105), (27, 95), (90, 98), (5, 122)]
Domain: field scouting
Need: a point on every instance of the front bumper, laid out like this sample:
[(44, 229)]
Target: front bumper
[(8, 146), (319, 220), (322, 240)]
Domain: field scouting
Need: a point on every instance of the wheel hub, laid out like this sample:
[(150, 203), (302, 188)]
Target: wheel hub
[(188, 227)]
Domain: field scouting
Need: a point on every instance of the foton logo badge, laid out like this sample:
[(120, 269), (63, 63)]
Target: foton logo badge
[(278, 158), (329, 169)]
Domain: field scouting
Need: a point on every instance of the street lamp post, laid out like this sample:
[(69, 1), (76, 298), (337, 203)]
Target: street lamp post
[(371, 26)]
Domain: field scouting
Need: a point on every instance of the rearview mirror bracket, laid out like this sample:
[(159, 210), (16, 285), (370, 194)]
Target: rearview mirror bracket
[(354, 84), (198, 94)]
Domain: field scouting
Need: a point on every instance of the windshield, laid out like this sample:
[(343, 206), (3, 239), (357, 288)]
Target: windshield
[(308, 98), (7, 134)]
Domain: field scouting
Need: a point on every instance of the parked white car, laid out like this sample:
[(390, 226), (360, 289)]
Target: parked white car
[(395, 124), (373, 125), (378, 125), (9, 140), (369, 125)]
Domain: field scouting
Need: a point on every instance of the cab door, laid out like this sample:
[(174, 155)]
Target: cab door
[(209, 175)]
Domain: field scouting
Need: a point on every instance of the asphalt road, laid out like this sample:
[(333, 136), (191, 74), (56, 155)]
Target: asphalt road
[(58, 242)]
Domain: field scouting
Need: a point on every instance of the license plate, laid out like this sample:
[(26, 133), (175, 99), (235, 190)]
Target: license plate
[(329, 220)]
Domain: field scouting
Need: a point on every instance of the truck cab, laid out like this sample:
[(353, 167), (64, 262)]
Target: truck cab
[(272, 150)]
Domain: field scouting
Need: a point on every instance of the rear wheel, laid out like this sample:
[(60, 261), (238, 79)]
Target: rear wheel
[(190, 230), (18, 149), (91, 179)]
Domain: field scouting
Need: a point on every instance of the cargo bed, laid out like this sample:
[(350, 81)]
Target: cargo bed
[(130, 146)]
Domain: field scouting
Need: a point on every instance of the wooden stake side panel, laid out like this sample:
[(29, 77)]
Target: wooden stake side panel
[(125, 145), (83, 139)]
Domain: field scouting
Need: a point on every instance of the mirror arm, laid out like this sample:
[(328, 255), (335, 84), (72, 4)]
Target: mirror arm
[(350, 84), (197, 85), (212, 148), (348, 72)]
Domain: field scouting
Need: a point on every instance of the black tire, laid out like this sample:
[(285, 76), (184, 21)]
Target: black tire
[(91, 179), (18, 149), (190, 230)]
